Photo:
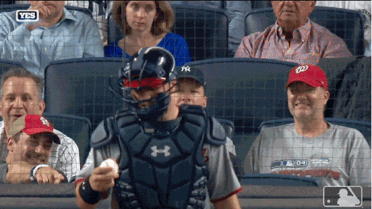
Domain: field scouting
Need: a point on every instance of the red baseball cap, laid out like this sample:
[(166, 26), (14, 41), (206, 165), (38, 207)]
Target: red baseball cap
[(309, 74), (33, 124)]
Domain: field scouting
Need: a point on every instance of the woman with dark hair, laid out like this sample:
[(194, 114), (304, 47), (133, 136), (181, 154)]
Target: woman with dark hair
[(146, 24)]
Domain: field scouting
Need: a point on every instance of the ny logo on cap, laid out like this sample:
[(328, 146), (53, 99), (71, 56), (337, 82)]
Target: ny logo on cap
[(165, 151), (302, 68), (44, 121), (185, 68)]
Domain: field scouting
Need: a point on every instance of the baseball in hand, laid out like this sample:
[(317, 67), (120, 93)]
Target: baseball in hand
[(110, 163)]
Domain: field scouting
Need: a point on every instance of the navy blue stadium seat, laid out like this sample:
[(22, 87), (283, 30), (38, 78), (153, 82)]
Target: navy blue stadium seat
[(5, 65), (260, 4), (5, 2), (81, 87), (345, 23), (247, 92), (279, 180), (14, 7), (349, 84), (362, 126), (205, 30), (77, 128)]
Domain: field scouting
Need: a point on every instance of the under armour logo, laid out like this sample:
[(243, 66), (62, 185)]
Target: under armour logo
[(185, 68), (301, 68), (44, 121), (165, 151)]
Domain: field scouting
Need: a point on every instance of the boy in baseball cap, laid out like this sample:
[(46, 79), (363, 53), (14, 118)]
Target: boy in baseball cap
[(191, 85), (30, 142)]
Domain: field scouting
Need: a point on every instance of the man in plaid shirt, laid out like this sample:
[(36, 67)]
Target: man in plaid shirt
[(293, 37)]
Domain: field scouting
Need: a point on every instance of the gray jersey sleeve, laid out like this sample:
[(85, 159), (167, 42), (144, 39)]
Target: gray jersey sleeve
[(88, 167), (230, 146), (222, 180)]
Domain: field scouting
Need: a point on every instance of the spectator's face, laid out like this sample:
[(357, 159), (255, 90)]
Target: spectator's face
[(34, 149), (306, 102), (140, 15), (292, 14), (20, 96), (55, 7), (192, 92)]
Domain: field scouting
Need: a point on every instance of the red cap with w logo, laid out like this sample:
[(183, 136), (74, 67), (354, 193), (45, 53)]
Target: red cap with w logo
[(309, 74)]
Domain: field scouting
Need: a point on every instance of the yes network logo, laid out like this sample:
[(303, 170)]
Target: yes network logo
[(27, 15)]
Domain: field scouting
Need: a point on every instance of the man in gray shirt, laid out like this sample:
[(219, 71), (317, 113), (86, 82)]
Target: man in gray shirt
[(311, 147)]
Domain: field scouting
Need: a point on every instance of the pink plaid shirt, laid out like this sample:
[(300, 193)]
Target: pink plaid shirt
[(310, 42)]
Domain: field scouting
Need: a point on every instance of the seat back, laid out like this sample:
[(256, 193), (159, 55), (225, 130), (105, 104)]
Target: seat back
[(14, 7), (279, 180), (247, 92), (81, 87), (362, 126), (77, 128), (349, 84), (5, 2), (6, 65), (205, 30), (260, 4), (345, 23)]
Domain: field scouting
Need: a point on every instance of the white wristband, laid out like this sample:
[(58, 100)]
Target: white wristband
[(34, 169)]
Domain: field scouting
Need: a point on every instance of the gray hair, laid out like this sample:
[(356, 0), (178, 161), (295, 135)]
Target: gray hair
[(21, 72)]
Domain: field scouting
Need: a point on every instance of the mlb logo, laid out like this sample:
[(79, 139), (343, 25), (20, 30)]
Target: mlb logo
[(348, 196), (27, 15)]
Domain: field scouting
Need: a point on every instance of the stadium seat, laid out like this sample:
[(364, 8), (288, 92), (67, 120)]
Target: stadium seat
[(5, 65), (260, 4), (362, 126), (14, 7), (205, 30), (77, 128), (4, 2), (349, 84), (81, 87), (279, 180), (247, 92), (345, 23)]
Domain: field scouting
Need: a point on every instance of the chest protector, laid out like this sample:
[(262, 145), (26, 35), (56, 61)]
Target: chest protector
[(163, 167)]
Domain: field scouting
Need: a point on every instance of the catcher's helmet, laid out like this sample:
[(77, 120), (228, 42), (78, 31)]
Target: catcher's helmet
[(148, 68)]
